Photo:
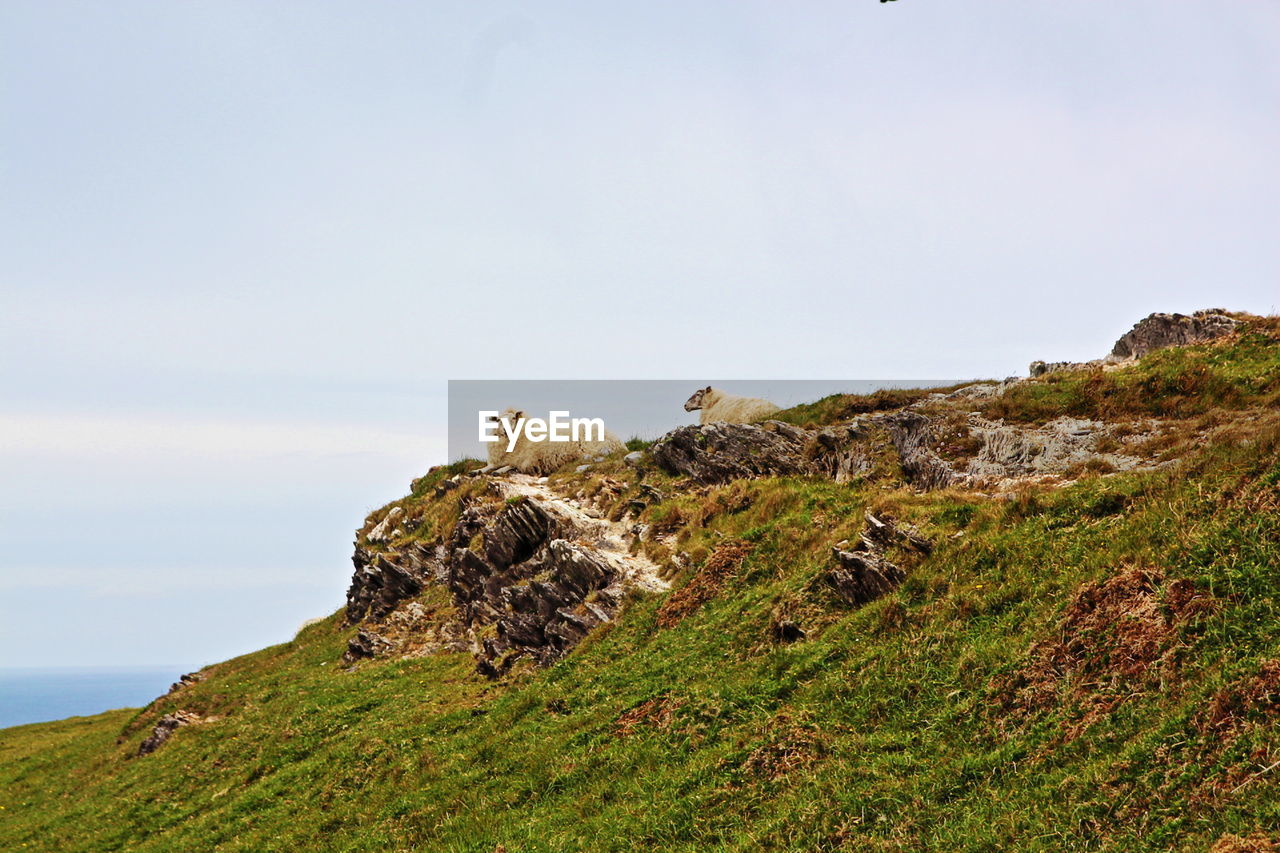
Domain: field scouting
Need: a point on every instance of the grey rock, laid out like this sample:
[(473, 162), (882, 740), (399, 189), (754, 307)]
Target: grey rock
[(1158, 331), (186, 680), (165, 728), (526, 578), (382, 579), (366, 644), (382, 530), (1041, 368), (863, 573), (720, 452), (634, 457)]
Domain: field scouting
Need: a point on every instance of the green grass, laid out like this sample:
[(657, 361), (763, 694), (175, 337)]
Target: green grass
[(883, 730), (1177, 383)]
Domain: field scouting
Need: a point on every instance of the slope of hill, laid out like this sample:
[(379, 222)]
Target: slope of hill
[(1024, 615)]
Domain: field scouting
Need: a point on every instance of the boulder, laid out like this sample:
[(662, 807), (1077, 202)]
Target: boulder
[(165, 728), (720, 452), (1158, 331), (382, 579)]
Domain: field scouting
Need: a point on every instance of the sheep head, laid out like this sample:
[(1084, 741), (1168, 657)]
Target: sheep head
[(695, 402)]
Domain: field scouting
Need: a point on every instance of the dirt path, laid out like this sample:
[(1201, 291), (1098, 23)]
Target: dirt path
[(610, 539)]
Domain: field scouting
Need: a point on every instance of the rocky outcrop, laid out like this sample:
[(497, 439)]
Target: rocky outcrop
[(1041, 368), (1158, 331), (862, 573), (366, 644), (995, 454), (720, 452), (384, 578), (1154, 332), (165, 728), (1060, 446), (527, 591), (913, 438), (529, 575), (186, 680)]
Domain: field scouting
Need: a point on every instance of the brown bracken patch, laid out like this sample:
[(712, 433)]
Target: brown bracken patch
[(654, 713), (1245, 704), (1116, 639), (705, 585), (792, 746), (1254, 843)]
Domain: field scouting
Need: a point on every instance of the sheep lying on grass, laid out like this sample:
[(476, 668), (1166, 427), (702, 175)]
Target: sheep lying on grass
[(719, 407), (543, 457)]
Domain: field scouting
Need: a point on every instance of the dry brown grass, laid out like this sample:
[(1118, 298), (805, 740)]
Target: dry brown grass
[(1248, 703), (656, 713), (789, 746), (1115, 641), (1254, 843), (721, 565)]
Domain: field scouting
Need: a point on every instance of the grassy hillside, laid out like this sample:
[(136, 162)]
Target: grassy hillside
[(1092, 667)]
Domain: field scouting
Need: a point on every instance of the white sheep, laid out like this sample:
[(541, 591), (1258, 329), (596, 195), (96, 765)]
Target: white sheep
[(307, 624), (543, 457), (719, 407)]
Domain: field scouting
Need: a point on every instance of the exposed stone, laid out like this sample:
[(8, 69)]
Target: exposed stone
[(1009, 452), (844, 452), (883, 533), (720, 452), (382, 530), (366, 644), (1040, 368), (1158, 331), (912, 435), (862, 576), (382, 579), (863, 573), (529, 578), (633, 458), (165, 728), (186, 680)]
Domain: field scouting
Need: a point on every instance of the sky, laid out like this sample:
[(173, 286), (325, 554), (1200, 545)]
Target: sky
[(243, 246)]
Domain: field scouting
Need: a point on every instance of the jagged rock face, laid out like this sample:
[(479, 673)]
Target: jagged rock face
[(1041, 368), (1009, 451), (912, 435), (185, 681), (862, 573), (531, 585), (720, 452), (862, 576), (382, 579), (1004, 453), (165, 728), (366, 644), (522, 589), (1158, 331)]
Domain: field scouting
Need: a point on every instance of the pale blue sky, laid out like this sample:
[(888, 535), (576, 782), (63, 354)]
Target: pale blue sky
[(245, 244)]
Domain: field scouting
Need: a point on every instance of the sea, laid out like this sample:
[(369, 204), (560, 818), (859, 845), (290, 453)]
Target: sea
[(31, 695)]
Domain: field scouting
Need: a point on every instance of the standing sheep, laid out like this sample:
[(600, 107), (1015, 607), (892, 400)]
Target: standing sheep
[(543, 457), (719, 407)]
